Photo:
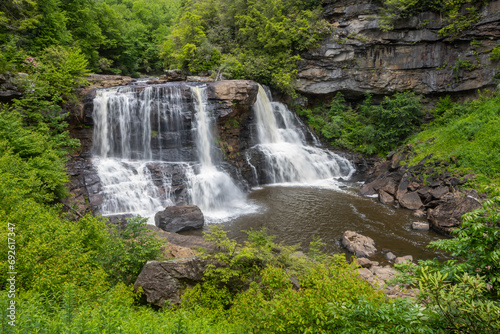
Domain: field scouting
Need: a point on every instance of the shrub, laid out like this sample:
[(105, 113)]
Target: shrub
[(126, 250)]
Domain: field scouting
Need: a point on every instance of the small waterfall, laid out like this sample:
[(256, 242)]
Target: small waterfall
[(213, 190), (287, 156)]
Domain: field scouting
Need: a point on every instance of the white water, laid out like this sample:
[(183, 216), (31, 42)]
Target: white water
[(213, 190), (288, 157), (123, 135)]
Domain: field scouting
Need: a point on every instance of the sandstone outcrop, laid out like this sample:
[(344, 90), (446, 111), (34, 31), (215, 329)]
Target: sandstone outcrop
[(360, 58)]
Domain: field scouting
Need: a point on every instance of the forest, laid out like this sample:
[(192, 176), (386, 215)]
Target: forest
[(74, 274)]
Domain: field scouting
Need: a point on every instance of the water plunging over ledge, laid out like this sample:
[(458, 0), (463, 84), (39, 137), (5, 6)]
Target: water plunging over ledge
[(146, 139), (156, 146), (287, 157)]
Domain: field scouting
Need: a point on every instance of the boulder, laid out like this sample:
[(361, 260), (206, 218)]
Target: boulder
[(439, 192), (383, 273), (358, 244), (420, 226), (411, 201), (446, 216), (403, 259), (365, 263), (390, 256), (174, 75), (385, 198), (180, 218), (163, 282)]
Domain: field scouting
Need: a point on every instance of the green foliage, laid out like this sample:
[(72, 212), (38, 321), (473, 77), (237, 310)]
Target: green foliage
[(467, 132), (370, 128), (365, 316), (113, 35), (257, 40), (495, 53), (32, 163), (126, 250), (461, 64), (476, 245), (461, 306), (459, 15)]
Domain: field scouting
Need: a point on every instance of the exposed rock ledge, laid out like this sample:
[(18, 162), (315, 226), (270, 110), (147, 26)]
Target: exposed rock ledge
[(359, 58), (423, 188)]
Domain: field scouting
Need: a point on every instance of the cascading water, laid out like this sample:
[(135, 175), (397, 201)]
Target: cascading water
[(287, 157), (212, 189), (143, 152)]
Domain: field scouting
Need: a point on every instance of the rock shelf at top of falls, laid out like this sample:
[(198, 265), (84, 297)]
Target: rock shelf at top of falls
[(161, 145)]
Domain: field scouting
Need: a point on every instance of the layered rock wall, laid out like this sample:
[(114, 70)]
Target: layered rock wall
[(360, 58)]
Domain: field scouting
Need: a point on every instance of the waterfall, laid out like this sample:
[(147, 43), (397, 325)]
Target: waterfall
[(287, 156), (213, 190), (150, 143)]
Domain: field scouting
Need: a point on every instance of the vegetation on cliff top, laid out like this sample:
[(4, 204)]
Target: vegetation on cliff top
[(258, 40)]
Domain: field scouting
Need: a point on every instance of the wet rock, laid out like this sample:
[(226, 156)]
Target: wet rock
[(447, 216), (358, 244), (390, 256), (180, 218), (411, 201), (418, 213), (164, 281), (387, 183), (420, 226), (232, 95), (385, 198), (403, 259)]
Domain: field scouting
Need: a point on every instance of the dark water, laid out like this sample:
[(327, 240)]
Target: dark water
[(295, 215)]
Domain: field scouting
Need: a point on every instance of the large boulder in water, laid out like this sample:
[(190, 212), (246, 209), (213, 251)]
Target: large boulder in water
[(358, 244), (180, 218), (164, 281)]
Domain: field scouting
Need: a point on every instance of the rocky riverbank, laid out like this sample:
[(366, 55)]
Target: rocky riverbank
[(427, 187)]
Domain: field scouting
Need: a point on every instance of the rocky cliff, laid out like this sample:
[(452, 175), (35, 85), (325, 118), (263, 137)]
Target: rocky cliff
[(360, 58)]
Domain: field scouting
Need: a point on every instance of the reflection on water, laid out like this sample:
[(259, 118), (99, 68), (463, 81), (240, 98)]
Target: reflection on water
[(296, 214)]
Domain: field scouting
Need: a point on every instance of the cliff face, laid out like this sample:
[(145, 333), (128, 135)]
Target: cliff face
[(361, 58)]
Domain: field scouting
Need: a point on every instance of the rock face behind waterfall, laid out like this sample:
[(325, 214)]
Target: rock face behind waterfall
[(169, 148), (360, 58)]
